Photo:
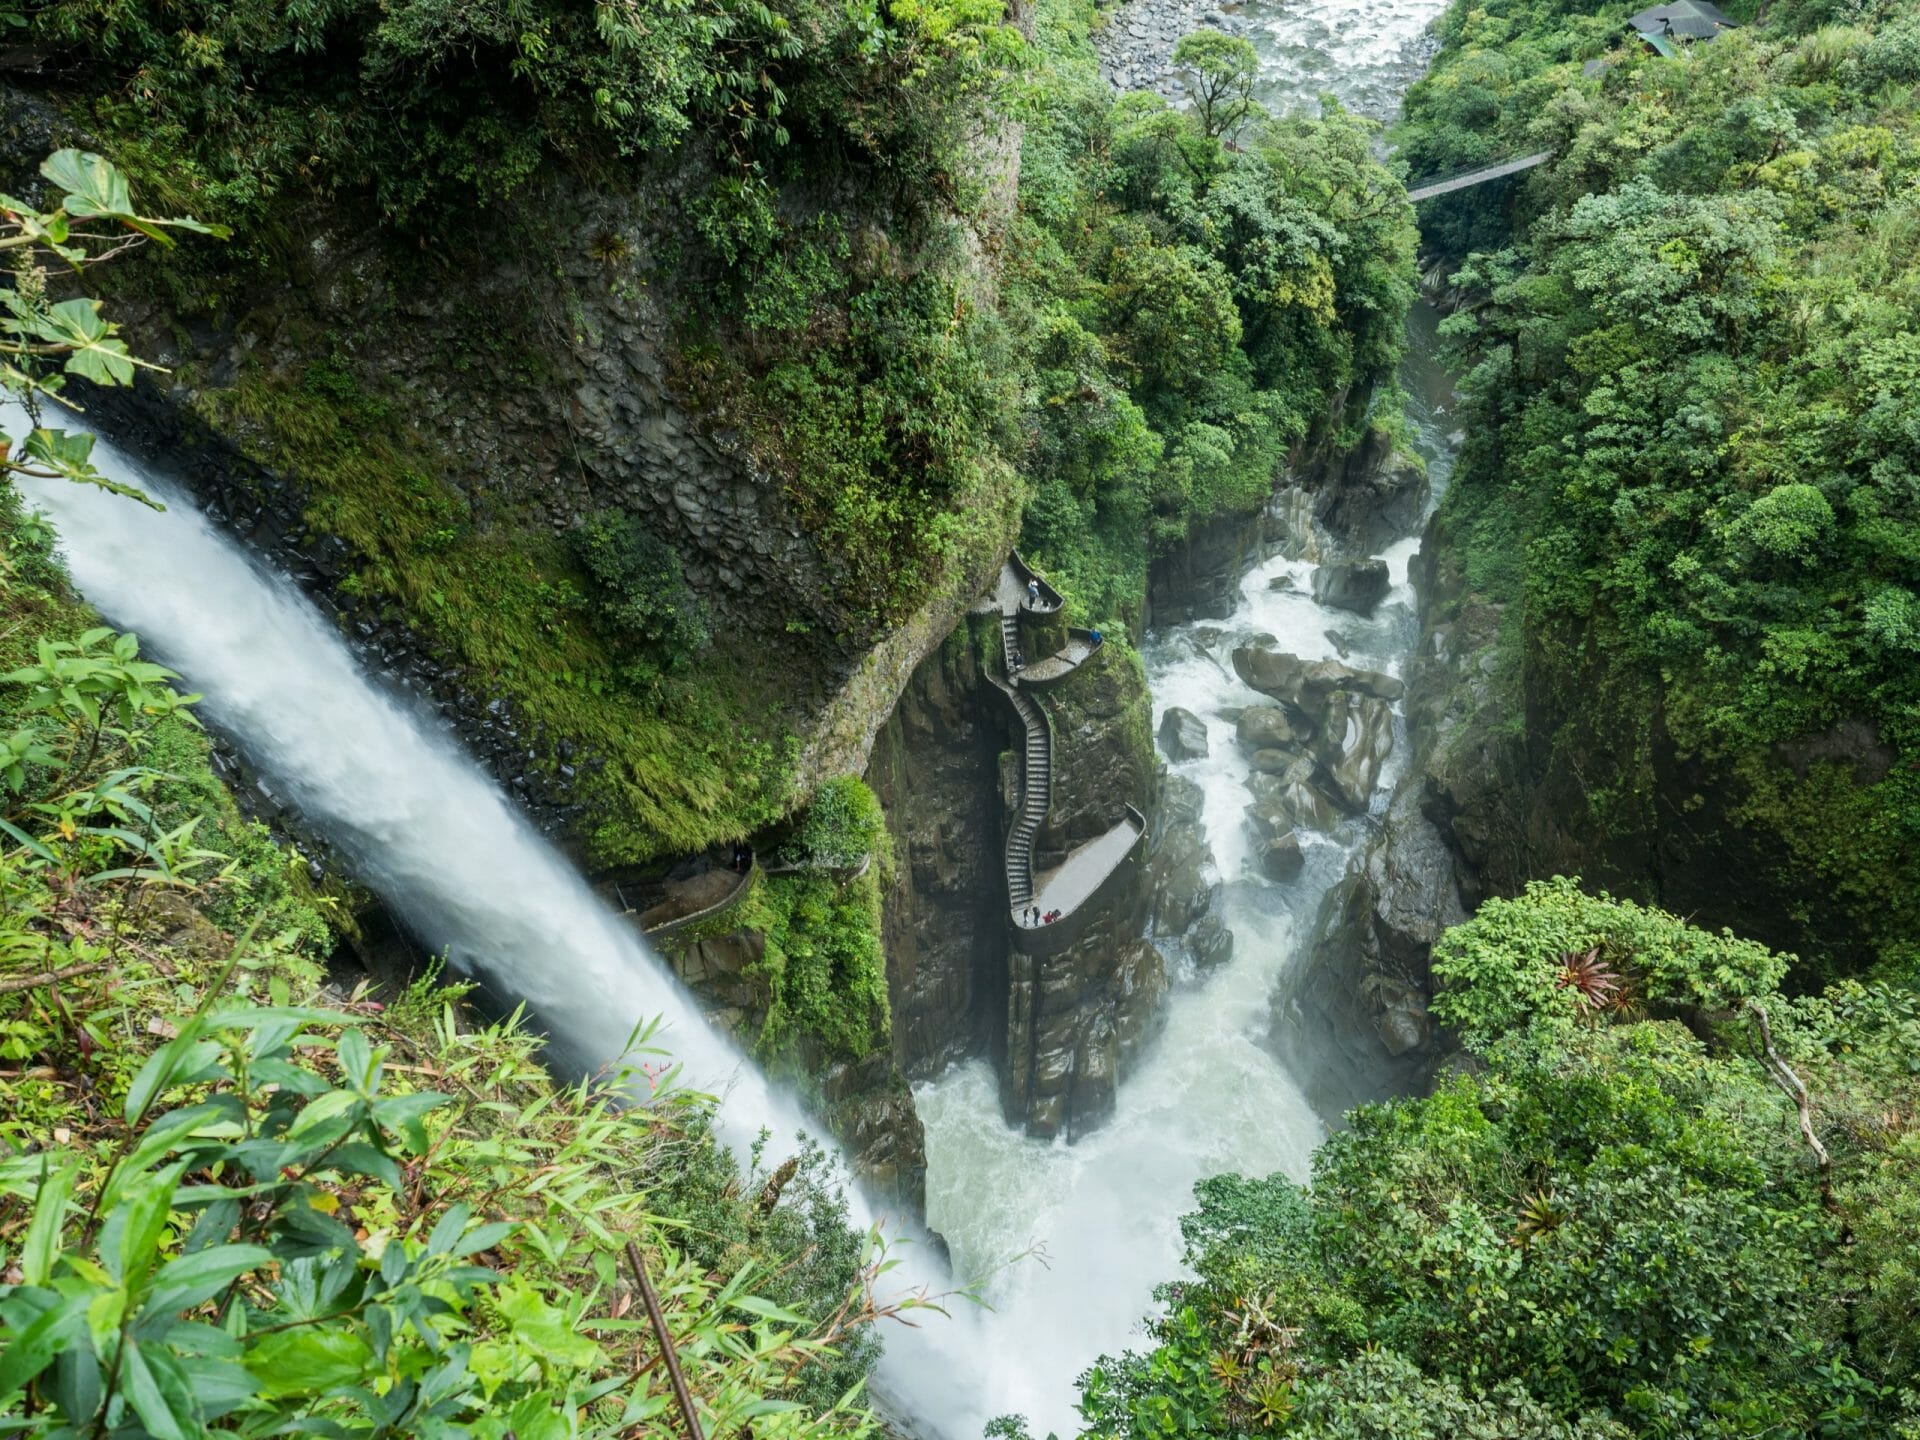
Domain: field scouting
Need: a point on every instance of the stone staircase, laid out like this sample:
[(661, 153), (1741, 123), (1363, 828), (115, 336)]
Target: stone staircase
[(1036, 794), (1085, 872)]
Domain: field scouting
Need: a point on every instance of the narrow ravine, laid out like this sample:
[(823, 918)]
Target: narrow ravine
[(1065, 1241), (1071, 1239)]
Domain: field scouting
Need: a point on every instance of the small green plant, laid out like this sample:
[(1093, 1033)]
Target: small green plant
[(45, 339), (643, 592)]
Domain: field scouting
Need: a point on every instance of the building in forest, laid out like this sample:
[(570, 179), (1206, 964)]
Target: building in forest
[(1666, 27)]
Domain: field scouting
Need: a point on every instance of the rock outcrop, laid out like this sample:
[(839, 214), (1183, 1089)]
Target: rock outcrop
[(1183, 735), (1303, 685), (1356, 585), (1351, 1018)]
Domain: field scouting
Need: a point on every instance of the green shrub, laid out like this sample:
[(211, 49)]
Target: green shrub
[(843, 825), (643, 592), (1617, 1230)]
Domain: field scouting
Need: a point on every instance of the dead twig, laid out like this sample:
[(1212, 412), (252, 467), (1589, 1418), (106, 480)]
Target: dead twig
[(1789, 1082), (46, 977), (659, 1321)]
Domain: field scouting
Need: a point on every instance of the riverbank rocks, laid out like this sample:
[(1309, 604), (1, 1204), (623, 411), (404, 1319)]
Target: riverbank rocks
[(1291, 798), (1305, 684), (1183, 735), (1266, 727), (1355, 739), (1280, 857), (1356, 585)]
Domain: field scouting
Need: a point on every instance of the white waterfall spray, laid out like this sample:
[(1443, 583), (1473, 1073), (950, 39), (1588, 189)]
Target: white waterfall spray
[(420, 823)]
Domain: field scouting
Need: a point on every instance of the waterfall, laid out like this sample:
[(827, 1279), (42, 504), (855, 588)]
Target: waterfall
[(380, 779)]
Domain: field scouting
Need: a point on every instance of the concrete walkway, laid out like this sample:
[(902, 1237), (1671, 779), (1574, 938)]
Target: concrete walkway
[(1068, 886), (1062, 662)]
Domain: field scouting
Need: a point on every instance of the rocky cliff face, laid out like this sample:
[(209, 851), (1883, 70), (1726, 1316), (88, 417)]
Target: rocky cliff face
[(1062, 1029), (1544, 761), (935, 768)]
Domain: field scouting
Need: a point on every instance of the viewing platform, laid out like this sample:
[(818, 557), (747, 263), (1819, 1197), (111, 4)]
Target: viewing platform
[(1042, 674), (1076, 886), (660, 904)]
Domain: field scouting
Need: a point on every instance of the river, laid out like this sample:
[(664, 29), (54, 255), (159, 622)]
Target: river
[(1072, 1239)]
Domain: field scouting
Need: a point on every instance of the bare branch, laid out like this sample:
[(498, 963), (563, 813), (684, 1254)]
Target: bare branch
[(15, 983), (1789, 1082), (659, 1321)]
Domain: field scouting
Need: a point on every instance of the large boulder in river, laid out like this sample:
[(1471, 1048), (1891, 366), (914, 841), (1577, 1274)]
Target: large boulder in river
[(1266, 727), (1291, 798), (1305, 684), (1353, 745), (1280, 857), (1183, 735), (1356, 585), (1274, 761), (1210, 942)]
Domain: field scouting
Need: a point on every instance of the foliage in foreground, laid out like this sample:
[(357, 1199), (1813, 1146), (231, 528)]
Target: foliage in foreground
[(1607, 1224), (230, 1205), (1693, 458)]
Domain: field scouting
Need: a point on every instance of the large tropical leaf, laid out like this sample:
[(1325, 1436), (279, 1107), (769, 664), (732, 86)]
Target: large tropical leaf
[(96, 190)]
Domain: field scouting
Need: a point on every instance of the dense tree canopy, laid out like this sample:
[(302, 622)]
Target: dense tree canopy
[(1195, 314), (1695, 397), (1607, 1224)]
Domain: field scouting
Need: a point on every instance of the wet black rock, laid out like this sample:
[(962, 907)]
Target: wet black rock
[(1265, 727), (1356, 585), (1183, 735), (1280, 857), (1211, 943), (1353, 745), (1305, 684)]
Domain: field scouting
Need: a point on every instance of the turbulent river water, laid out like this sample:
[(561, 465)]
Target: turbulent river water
[(1073, 1238), (1067, 1241)]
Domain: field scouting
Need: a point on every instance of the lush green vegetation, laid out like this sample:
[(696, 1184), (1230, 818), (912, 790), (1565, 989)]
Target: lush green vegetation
[(1692, 455), (824, 965), (437, 103), (1200, 296), (1174, 310), (231, 1200), (234, 1202), (689, 753), (1608, 1223)]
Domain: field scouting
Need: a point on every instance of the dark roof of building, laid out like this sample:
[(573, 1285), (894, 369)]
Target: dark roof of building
[(1689, 19)]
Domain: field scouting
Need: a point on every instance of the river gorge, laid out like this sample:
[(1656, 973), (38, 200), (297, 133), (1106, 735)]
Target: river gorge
[(1036, 1225), (705, 631)]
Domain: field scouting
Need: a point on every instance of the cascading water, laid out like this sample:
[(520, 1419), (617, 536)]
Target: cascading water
[(421, 824), (1098, 1220), (1067, 1240)]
